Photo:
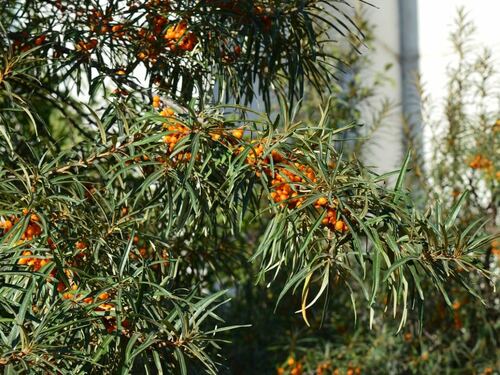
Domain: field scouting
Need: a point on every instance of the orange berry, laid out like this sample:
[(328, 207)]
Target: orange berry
[(322, 201), (25, 258), (290, 361), (67, 295), (60, 286), (237, 133), (39, 41), (30, 231), (105, 306), (215, 136), (6, 225), (80, 245), (167, 112), (339, 226), (117, 28), (103, 295)]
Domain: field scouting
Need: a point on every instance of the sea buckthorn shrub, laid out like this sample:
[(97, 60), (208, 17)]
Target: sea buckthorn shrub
[(186, 46), (457, 337), (462, 157), (134, 191)]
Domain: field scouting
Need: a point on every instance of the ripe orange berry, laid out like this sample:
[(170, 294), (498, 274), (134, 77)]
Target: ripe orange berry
[(103, 295), (237, 133), (105, 306), (60, 286), (30, 231), (6, 225), (117, 28), (290, 361), (39, 41), (67, 295), (339, 226), (25, 258), (322, 201), (80, 245)]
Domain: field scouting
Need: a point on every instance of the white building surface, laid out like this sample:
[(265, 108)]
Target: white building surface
[(414, 36)]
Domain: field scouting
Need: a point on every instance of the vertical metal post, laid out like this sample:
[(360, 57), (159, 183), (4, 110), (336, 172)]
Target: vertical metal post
[(409, 61)]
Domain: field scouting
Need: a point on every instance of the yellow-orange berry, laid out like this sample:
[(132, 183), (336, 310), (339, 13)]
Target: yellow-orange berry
[(80, 245), (322, 201), (103, 295), (238, 133), (339, 226), (67, 295), (6, 225)]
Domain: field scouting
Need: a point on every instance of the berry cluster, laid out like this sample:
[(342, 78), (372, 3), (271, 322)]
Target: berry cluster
[(178, 38), (34, 263), (176, 130), (24, 42), (283, 188), (481, 162), (288, 181), (495, 248), (331, 220), (291, 367), (82, 46), (32, 231)]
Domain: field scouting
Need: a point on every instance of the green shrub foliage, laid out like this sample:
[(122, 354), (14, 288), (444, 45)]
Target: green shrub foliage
[(139, 193)]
